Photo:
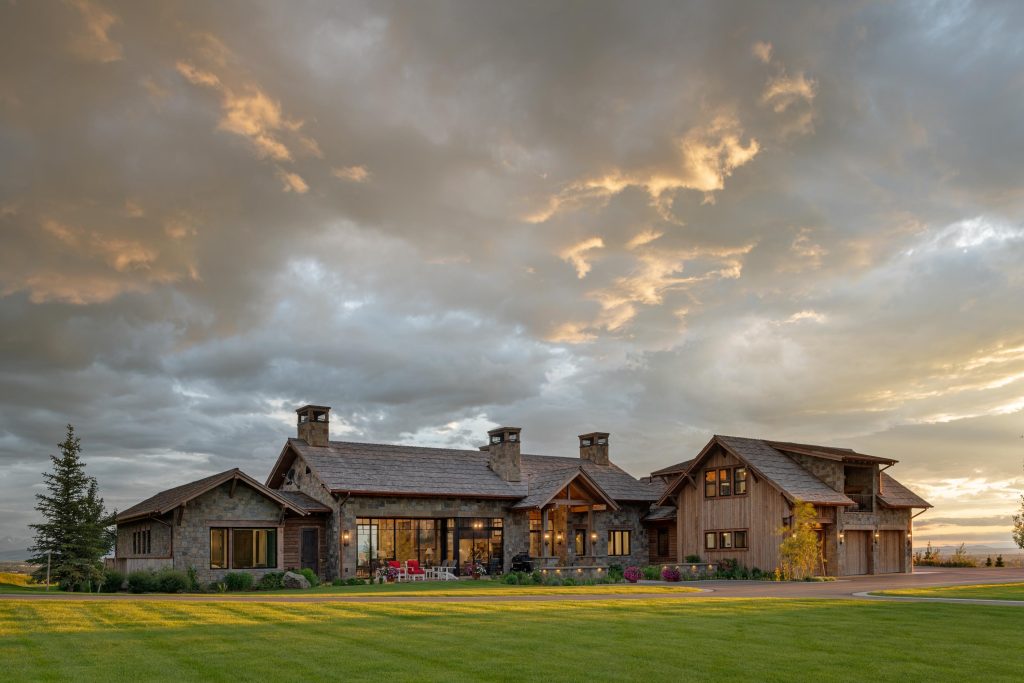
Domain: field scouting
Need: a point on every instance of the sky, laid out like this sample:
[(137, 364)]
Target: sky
[(797, 221)]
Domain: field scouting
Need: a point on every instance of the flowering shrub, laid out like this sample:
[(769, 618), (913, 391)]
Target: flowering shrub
[(632, 574), (670, 574), (388, 572)]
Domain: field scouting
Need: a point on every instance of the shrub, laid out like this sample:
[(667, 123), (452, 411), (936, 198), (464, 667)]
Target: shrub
[(141, 582), (568, 581), (512, 578), (113, 581), (670, 574), (311, 576), (536, 577), (238, 581), (193, 579), (988, 561), (632, 574), (271, 582), (999, 561), (693, 559), (169, 580), (552, 580), (339, 582), (756, 573), (615, 573), (651, 572)]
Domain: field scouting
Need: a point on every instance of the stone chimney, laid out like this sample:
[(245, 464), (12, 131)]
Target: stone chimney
[(313, 425), (503, 449), (594, 447)]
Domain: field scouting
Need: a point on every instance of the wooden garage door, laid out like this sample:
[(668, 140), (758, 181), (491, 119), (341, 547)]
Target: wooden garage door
[(890, 552), (858, 549)]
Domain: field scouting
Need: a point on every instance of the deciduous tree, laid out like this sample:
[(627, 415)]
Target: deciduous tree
[(799, 548)]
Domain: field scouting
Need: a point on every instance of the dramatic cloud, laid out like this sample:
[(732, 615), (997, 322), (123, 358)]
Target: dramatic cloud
[(662, 221)]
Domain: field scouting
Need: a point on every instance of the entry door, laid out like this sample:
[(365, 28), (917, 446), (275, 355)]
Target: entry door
[(310, 556), (858, 547)]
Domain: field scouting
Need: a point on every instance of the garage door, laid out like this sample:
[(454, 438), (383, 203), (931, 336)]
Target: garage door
[(858, 549), (890, 552)]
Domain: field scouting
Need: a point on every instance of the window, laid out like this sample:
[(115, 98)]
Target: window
[(735, 539), (218, 548), (618, 542), (142, 542), (710, 485), (250, 548), (580, 542), (725, 481), (662, 542), (740, 477)]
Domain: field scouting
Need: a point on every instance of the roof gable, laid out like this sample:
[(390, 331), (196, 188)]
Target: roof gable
[(768, 463), (165, 501), (545, 487)]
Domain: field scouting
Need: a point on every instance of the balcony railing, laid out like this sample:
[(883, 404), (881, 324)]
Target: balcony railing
[(865, 502)]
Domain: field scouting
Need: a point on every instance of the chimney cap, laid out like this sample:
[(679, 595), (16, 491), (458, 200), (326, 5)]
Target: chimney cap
[(312, 407)]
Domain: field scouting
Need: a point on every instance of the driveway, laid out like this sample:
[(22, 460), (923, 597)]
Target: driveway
[(847, 588)]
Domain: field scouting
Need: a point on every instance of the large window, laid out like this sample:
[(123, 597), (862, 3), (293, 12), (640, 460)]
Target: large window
[(428, 541), (249, 548), (618, 542), (723, 482), (142, 542), (580, 542), (734, 539)]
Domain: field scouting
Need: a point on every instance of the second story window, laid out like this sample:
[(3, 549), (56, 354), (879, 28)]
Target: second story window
[(723, 482)]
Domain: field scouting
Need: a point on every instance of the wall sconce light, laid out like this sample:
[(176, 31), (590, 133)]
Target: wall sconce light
[(547, 536), (345, 537), (877, 536), (593, 536), (842, 537), (559, 537)]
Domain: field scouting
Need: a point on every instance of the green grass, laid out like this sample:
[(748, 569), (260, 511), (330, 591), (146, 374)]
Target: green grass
[(18, 583), (644, 640), (983, 591)]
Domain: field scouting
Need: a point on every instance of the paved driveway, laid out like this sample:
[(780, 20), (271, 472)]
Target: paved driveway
[(841, 589)]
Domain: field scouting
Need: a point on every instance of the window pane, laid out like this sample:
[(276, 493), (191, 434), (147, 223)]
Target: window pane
[(726, 539), (741, 539), (241, 549), (710, 540), (724, 483), (218, 549), (741, 480), (710, 486)]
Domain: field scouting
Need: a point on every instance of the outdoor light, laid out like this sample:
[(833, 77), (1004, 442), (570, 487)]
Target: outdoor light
[(345, 538), (593, 536), (547, 535), (877, 535), (841, 537), (579, 571)]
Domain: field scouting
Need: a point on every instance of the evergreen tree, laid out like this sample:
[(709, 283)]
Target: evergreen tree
[(75, 530)]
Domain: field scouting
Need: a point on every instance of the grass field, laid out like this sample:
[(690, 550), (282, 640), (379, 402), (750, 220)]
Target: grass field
[(648, 640), (18, 583), (474, 588), (990, 591)]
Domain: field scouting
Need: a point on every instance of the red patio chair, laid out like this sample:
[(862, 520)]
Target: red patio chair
[(415, 571), (401, 570)]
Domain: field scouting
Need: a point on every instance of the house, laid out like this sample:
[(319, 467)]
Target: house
[(343, 508), (732, 499)]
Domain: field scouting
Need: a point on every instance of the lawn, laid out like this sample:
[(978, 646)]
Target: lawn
[(648, 640), (983, 591), (18, 583)]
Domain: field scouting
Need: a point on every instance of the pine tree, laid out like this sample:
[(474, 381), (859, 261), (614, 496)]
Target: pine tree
[(75, 531)]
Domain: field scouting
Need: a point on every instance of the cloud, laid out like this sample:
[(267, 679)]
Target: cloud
[(763, 51), (355, 174), (292, 182), (92, 43), (577, 255)]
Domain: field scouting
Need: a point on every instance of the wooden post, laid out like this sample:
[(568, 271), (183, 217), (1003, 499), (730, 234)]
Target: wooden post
[(545, 540), (590, 531)]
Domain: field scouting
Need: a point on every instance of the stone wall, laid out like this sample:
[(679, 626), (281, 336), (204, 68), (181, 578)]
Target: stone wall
[(829, 471), (217, 508)]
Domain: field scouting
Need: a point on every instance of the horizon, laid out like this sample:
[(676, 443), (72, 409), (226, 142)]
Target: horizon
[(705, 218)]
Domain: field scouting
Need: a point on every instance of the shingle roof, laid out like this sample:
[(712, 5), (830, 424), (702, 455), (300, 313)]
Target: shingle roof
[(165, 501), (678, 468), (546, 485), (661, 513), (895, 495), (828, 452), (366, 468), (791, 478)]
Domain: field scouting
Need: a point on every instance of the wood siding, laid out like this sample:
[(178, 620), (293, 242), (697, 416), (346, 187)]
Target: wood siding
[(293, 527), (761, 512)]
